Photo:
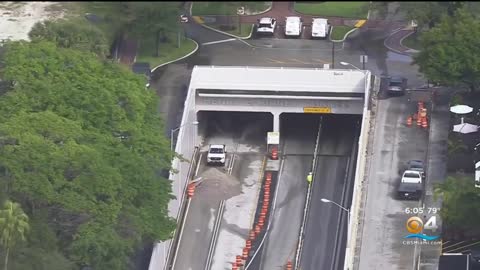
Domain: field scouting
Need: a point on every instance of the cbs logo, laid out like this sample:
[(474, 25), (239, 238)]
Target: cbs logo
[(415, 224)]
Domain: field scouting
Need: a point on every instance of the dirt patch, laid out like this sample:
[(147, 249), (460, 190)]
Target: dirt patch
[(217, 185)]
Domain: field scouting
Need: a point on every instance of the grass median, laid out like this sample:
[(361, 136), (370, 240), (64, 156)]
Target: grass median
[(167, 51), (338, 32), (227, 8), (354, 10), (412, 41)]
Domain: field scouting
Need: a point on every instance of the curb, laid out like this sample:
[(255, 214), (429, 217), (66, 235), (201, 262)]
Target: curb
[(344, 37), (392, 49), (228, 34), (178, 59), (261, 12), (408, 48)]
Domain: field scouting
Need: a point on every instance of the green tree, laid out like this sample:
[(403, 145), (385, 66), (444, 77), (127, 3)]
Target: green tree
[(81, 144), (77, 34), (452, 58), (461, 202), (13, 227), (429, 13), (154, 19)]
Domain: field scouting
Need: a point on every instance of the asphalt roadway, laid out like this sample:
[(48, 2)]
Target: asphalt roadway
[(326, 224), (244, 135), (298, 133)]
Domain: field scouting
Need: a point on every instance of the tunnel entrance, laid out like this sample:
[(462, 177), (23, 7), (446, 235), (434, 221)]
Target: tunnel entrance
[(226, 127)]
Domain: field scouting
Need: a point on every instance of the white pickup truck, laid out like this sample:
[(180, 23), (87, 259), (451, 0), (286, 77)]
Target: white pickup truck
[(216, 154), (411, 185)]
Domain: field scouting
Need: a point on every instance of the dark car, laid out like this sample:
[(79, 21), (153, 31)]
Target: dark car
[(409, 191), (475, 256), (416, 165), (397, 85)]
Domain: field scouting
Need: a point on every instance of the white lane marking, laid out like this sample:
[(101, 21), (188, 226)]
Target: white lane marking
[(219, 41)]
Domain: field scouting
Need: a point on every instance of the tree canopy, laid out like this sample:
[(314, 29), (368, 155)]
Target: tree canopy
[(78, 34), (452, 56), (461, 203), (81, 145)]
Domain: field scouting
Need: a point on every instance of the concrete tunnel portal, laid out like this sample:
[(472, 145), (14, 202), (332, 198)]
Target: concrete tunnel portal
[(246, 103)]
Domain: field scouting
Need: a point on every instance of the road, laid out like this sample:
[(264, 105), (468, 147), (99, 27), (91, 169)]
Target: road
[(394, 144), (326, 225), (246, 140), (298, 135)]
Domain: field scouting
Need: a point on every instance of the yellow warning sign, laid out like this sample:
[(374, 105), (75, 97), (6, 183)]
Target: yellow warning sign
[(317, 110)]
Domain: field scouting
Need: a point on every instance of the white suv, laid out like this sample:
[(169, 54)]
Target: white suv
[(216, 154), (293, 26), (266, 26)]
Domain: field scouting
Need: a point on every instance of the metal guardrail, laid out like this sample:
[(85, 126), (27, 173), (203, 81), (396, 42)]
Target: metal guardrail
[(307, 200), (216, 229), (181, 215)]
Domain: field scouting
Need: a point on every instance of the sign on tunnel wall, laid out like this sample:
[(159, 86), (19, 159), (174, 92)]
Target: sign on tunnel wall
[(283, 105), (317, 109)]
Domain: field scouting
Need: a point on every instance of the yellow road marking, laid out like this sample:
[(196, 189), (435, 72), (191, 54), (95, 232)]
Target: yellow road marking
[(321, 61), (296, 60), (360, 23), (198, 19), (275, 61)]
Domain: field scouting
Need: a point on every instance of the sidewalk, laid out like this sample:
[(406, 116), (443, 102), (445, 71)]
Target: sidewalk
[(437, 172)]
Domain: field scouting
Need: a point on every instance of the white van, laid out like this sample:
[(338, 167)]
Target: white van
[(320, 28), (293, 26)]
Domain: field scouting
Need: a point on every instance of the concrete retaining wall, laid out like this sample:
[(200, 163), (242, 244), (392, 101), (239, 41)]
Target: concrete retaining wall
[(353, 228), (187, 138)]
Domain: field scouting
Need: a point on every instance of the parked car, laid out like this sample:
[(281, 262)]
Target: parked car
[(293, 26), (216, 154), (320, 28), (411, 185), (416, 165), (183, 18), (266, 26), (397, 85)]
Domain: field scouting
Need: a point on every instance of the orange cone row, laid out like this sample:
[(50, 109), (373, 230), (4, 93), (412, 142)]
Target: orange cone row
[(191, 190), (257, 228), (420, 117)]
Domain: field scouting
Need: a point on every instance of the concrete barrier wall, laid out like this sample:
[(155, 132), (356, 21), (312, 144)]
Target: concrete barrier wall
[(353, 228), (186, 142)]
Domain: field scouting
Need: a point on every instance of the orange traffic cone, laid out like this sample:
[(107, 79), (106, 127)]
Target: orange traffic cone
[(419, 121), (424, 123), (289, 265), (409, 121)]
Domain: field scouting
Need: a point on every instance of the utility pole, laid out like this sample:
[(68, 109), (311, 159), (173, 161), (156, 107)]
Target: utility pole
[(333, 55)]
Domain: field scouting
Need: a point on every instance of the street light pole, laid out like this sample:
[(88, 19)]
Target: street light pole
[(341, 207), (348, 64), (333, 55), (172, 132)]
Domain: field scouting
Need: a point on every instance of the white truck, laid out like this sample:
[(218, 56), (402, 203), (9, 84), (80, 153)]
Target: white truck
[(216, 154), (293, 26), (411, 185), (320, 28)]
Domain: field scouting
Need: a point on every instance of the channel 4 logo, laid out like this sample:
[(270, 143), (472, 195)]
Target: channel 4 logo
[(415, 226)]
